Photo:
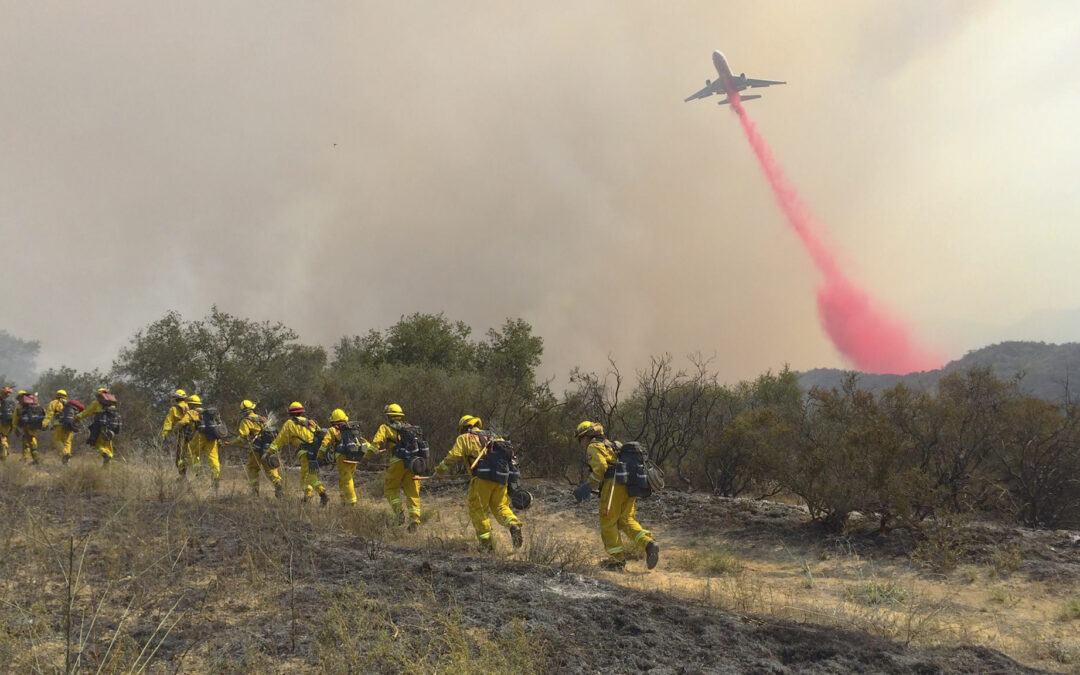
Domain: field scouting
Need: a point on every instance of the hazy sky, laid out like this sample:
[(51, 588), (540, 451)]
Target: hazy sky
[(335, 165)]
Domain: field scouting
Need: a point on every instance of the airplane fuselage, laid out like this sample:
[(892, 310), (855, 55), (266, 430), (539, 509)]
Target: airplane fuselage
[(729, 81)]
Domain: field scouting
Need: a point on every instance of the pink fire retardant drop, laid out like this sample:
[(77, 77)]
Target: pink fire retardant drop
[(871, 339)]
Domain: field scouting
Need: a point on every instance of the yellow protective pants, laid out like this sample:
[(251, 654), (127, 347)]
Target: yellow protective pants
[(309, 479), (104, 447), (346, 487), (398, 478), (254, 465), (619, 517), (184, 456), (61, 440), (29, 443), (488, 496), (5, 431), (203, 447)]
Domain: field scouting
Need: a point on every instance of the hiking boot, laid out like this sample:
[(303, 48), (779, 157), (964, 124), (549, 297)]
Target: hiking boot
[(515, 536), (613, 565), (305, 499), (279, 490), (324, 499), (487, 545), (413, 525), (105, 459), (65, 459), (652, 554), (401, 518)]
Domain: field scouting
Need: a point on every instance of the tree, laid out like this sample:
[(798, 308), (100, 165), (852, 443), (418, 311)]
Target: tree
[(18, 359)]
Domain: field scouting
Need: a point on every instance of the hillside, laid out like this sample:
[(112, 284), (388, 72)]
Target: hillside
[(1045, 370), (157, 575)]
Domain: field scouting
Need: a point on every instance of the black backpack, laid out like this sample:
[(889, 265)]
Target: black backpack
[(410, 443), (7, 410), (349, 447), (632, 469), (31, 416), (67, 417), (109, 422), (263, 440), (312, 448), (497, 464), (211, 425)]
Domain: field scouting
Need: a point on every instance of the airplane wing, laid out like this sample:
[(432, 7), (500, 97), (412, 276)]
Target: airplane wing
[(709, 90), (761, 83), (727, 101)]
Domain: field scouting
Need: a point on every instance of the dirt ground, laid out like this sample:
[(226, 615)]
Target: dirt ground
[(156, 575)]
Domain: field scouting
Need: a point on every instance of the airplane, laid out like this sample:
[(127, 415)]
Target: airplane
[(727, 82)]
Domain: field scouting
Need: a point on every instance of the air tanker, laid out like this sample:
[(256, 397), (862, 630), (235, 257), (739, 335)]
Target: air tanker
[(727, 83)]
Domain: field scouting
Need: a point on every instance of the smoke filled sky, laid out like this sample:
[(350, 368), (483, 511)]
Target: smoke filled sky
[(335, 165)]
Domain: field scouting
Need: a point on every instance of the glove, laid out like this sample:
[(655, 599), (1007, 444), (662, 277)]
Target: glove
[(582, 492)]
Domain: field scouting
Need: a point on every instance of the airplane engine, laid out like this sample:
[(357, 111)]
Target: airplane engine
[(708, 82)]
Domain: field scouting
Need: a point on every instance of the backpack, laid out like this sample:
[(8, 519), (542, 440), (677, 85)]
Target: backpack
[(263, 440), (410, 443), (211, 426), (632, 469), (349, 447), (497, 464), (108, 424), (67, 417), (7, 411), (32, 414), (317, 436)]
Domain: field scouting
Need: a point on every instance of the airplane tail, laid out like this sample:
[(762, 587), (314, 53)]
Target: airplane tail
[(751, 97)]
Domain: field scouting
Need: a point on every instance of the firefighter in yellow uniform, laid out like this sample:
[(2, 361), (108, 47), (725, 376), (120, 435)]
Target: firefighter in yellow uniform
[(28, 420), (486, 492), (202, 446), (61, 436), (251, 425), (172, 419), (398, 477), (100, 411), (7, 416), (601, 454), (347, 447), (299, 431)]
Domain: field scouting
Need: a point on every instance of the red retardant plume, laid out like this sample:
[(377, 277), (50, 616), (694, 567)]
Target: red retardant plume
[(868, 336)]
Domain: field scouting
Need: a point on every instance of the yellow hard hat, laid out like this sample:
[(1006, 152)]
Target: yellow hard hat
[(394, 410), (296, 408), (246, 405), (180, 394), (22, 392), (465, 422), (338, 416), (194, 399), (587, 428), (102, 390), (61, 392)]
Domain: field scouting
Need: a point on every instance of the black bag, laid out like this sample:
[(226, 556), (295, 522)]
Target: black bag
[(211, 425), (31, 416), (631, 469), (349, 447), (497, 464), (262, 441), (109, 424), (7, 411), (67, 417), (312, 448), (410, 444)]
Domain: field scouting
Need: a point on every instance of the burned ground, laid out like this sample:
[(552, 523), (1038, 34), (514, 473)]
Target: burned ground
[(165, 577)]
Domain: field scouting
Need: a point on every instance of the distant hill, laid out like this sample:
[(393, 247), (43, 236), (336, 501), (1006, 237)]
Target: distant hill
[(1046, 368)]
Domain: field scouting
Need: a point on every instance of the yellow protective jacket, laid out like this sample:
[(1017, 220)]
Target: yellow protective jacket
[(91, 410), (385, 438), (176, 413), (601, 455), (250, 427), (467, 447), (295, 431), (330, 440), (55, 407), (190, 417)]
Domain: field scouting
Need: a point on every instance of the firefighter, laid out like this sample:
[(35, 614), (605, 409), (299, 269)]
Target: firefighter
[(28, 419), (251, 425), (203, 443), (398, 477), (7, 417), (105, 423), (61, 436), (487, 488), (301, 432), (344, 442), (617, 508), (183, 438)]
